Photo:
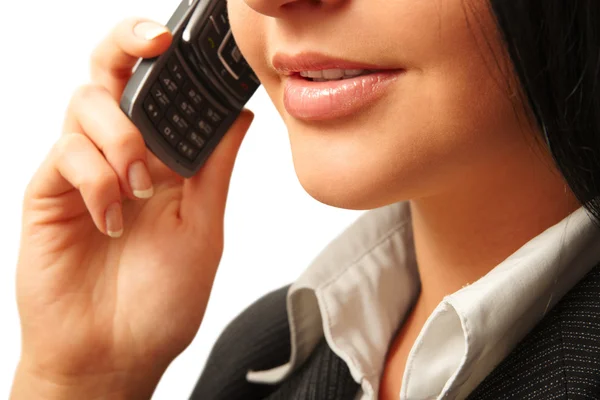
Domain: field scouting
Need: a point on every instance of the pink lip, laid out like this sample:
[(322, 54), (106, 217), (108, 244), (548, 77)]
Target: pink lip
[(286, 64), (314, 101)]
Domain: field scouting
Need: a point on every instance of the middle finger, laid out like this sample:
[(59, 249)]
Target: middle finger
[(94, 113)]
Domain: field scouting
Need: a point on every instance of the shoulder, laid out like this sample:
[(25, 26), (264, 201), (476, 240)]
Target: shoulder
[(257, 339), (560, 357)]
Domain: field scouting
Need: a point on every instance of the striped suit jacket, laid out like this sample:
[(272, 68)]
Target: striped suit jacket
[(558, 359)]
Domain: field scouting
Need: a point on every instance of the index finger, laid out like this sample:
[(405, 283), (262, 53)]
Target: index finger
[(114, 58)]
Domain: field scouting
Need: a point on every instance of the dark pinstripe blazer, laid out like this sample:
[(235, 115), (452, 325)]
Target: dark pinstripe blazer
[(558, 359)]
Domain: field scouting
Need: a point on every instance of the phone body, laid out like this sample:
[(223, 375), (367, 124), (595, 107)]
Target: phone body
[(184, 101)]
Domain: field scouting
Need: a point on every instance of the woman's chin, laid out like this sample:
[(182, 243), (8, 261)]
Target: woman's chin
[(342, 190), (340, 168)]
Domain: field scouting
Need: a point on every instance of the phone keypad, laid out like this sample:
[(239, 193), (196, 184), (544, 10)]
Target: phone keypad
[(183, 116), (190, 112)]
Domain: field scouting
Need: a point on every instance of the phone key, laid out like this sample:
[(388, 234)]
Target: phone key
[(252, 76), (176, 71), (192, 94), (169, 84), (210, 39), (212, 115), (213, 20), (247, 85), (196, 139), (222, 19), (185, 106), (233, 57), (237, 86), (187, 150), (209, 42), (152, 110), (205, 128), (160, 96), (175, 118), (168, 132)]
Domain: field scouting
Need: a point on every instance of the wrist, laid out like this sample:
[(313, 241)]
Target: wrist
[(35, 384)]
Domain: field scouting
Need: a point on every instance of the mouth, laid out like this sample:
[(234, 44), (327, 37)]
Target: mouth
[(323, 88), (334, 74), (319, 66)]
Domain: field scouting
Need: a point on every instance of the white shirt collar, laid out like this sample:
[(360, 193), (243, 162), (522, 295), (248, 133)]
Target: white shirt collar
[(487, 319), (361, 287)]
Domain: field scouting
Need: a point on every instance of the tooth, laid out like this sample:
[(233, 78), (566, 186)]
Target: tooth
[(314, 74), (353, 72), (333, 73)]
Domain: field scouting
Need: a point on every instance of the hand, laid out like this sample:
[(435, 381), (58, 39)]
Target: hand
[(111, 287)]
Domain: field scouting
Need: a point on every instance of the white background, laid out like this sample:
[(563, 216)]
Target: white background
[(273, 228)]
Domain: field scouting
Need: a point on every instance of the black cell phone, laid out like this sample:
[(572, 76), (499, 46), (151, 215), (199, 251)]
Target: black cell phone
[(184, 101)]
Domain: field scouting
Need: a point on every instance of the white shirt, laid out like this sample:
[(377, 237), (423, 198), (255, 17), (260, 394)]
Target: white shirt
[(359, 290)]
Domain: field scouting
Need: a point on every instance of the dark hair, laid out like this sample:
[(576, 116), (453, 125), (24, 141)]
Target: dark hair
[(555, 50)]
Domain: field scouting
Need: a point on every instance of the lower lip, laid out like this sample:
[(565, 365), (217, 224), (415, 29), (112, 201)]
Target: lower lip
[(315, 101)]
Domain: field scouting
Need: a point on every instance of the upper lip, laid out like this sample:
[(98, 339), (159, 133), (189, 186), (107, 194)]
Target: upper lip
[(286, 64)]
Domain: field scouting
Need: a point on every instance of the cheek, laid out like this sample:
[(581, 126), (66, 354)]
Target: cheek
[(250, 30), (247, 30), (433, 131)]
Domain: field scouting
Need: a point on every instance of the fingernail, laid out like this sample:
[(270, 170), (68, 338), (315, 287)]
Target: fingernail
[(114, 220), (149, 30), (140, 181)]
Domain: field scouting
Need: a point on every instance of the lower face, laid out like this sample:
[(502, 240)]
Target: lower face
[(437, 111)]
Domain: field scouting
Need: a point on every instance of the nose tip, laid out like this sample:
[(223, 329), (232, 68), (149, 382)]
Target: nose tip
[(277, 8)]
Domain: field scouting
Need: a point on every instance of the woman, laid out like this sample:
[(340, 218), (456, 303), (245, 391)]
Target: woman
[(472, 133)]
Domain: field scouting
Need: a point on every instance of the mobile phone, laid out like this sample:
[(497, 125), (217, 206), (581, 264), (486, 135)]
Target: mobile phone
[(185, 100)]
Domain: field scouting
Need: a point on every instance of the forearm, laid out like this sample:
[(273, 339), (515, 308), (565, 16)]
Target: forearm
[(32, 385)]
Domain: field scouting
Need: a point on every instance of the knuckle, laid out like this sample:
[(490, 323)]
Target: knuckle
[(100, 184), (106, 180), (95, 58), (68, 143), (129, 141), (28, 194), (85, 93), (122, 28), (102, 180), (128, 23)]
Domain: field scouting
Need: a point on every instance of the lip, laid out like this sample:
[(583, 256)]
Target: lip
[(288, 65), (318, 101)]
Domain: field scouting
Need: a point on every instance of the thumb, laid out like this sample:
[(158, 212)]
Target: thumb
[(206, 192)]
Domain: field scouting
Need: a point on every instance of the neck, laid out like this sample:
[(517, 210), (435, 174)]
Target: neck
[(462, 234)]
